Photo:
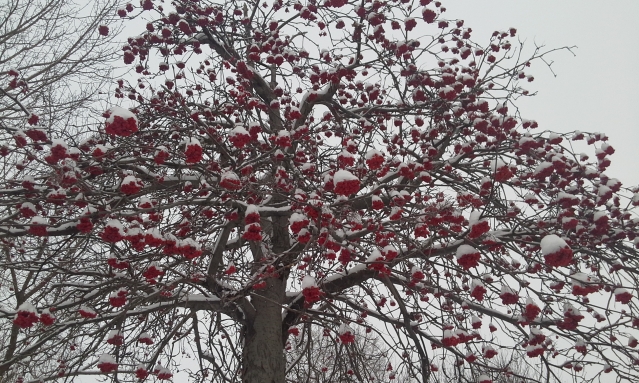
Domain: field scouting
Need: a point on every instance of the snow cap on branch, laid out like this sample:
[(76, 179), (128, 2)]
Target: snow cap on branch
[(121, 122), (556, 251), (345, 183), (26, 316)]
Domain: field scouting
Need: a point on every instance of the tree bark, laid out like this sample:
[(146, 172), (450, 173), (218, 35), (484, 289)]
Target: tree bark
[(263, 352), (263, 356)]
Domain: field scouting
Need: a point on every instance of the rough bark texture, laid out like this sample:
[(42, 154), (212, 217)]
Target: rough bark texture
[(263, 356)]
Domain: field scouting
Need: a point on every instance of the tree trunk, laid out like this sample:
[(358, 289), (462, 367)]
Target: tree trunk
[(263, 356), (263, 352)]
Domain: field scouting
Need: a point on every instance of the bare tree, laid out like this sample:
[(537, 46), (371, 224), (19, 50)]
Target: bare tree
[(53, 63), (56, 56), (511, 368), (315, 355)]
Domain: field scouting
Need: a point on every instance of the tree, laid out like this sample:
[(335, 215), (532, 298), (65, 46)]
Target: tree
[(53, 64), (313, 355), (510, 369), (338, 164)]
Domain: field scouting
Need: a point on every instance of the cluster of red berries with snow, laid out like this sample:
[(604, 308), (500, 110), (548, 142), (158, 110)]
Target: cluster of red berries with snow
[(252, 228), (478, 226), (131, 185), (467, 256), (345, 183), (118, 298), (146, 338), (556, 251), (26, 316), (193, 151), (113, 231), (346, 334), (38, 226), (239, 137), (153, 272), (107, 364), (120, 122), (230, 181), (310, 290)]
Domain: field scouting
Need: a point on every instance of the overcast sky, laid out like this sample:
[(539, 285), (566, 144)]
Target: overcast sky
[(596, 90)]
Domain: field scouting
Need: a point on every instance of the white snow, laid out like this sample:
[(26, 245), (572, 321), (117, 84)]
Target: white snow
[(372, 153), (190, 242), (390, 249), (39, 220), (505, 289), (28, 205), (374, 257), (154, 232), (58, 142), (566, 196), (344, 328), (86, 309), (620, 291), (27, 307), (497, 164), (252, 209), (568, 308), (238, 130), (475, 217), (193, 141), (551, 244), (542, 166), (346, 154), (308, 281), (229, 175), (343, 175), (465, 249), (116, 224), (297, 217), (106, 358), (603, 190), (121, 112), (584, 278), (130, 180), (161, 370)]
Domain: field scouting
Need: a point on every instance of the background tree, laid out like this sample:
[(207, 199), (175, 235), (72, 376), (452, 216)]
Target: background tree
[(338, 164), (53, 61), (53, 65), (316, 356), (512, 368)]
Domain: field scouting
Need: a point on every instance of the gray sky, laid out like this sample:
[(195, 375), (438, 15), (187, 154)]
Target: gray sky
[(596, 90)]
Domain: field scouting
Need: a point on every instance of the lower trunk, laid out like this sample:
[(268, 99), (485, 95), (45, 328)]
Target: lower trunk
[(263, 355)]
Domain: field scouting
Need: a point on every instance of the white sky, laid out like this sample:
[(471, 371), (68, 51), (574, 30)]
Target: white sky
[(595, 91)]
